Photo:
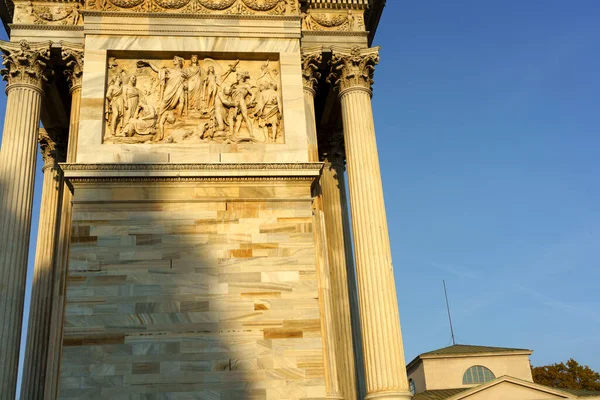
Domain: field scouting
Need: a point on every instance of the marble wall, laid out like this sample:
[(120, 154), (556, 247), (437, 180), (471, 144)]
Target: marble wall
[(198, 290)]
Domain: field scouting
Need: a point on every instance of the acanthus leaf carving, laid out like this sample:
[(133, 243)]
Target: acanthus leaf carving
[(72, 54), (353, 67), (53, 146), (195, 101), (312, 57), (331, 147), (26, 63)]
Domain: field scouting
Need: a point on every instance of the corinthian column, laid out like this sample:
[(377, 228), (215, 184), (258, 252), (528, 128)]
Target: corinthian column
[(26, 74), (311, 57), (72, 54), (352, 72), (341, 266), (36, 351)]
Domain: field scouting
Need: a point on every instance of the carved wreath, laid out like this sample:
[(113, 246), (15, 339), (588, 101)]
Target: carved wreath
[(126, 3), (329, 20), (173, 4), (219, 5), (261, 5)]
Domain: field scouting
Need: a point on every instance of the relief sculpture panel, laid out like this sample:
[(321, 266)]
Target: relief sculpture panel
[(48, 13), (193, 101)]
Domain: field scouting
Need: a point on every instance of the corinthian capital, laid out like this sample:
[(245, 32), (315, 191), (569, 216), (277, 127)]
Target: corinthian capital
[(72, 54), (353, 68), (52, 146), (311, 58), (26, 63), (331, 148)]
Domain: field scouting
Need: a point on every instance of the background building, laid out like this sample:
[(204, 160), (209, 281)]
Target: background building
[(480, 373)]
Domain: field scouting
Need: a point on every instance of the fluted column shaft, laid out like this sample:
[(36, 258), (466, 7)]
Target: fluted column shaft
[(310, 60), (382, 340), (17, 175), (341, 271), (311, 126), (62, 260), (36, 351), (73, 55)]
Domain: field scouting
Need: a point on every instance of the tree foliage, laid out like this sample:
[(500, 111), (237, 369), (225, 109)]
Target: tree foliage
[(567, 376)]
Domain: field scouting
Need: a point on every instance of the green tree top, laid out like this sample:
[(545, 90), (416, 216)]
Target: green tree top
[(567, 376)]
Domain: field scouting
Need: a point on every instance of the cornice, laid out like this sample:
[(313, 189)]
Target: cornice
[(193, 172), (193, 179), (335, 33)]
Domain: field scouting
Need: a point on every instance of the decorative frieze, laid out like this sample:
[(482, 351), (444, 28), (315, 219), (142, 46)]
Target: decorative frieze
[(48, 13), (231, 7), (311, 59), (350, 21), (72, 54), (26, 63), (353, 68), (193, 101)]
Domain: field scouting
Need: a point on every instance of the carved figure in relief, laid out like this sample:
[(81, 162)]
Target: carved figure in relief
[(240, 90), (131, 96), (144, 122), (194, 87), (268, 110), (114, 107), (209, 89), (172, 85)]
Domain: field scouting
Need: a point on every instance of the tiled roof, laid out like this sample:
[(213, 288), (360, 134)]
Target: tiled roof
[(458, 349), (581, 392), (438, 394)]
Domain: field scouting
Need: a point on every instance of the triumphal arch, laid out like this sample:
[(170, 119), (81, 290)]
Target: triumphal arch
[(194, 239)]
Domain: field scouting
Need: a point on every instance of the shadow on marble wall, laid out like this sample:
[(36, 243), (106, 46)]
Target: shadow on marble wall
[(149, 313)]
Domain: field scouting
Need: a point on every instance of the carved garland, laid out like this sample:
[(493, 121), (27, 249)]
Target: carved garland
[(241, 7)]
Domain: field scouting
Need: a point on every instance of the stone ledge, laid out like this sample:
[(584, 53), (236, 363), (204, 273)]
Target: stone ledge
[(223, 171)]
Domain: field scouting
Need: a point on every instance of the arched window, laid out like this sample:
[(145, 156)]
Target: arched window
[(477, 374), (411, 387)]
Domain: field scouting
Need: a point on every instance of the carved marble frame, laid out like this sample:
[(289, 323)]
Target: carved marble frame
[(99, 47)]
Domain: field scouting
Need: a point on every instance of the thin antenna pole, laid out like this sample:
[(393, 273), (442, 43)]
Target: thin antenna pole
[(449, 317)]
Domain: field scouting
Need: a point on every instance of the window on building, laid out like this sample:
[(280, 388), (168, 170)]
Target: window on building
[(477, 374), (411, 387)]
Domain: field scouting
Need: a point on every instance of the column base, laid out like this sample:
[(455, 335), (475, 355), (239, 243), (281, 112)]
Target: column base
[(389, 396), (334, 397)]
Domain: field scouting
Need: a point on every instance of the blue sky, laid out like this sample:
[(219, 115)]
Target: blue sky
[(488, 124)]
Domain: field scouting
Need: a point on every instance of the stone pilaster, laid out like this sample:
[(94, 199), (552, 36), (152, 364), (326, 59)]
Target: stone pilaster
[(73, 55), (341, 265), (26, 72), (36, 351), (352, 72), (311, 58)]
